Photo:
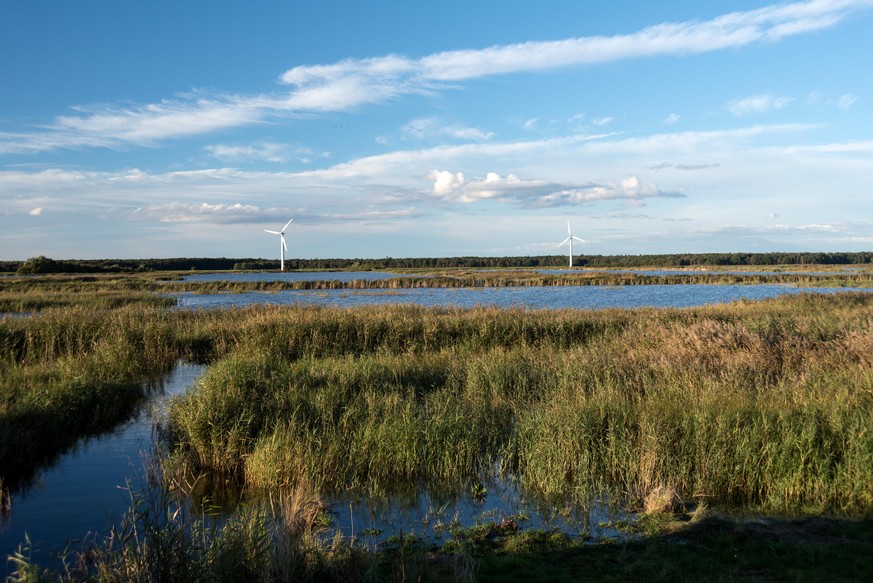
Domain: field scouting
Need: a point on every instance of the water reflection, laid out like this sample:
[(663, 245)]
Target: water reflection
[(84, 489), (432, 515), (551, 297)]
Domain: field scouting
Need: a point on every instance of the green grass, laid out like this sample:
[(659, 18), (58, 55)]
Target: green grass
[(754, 404), (761, 406)]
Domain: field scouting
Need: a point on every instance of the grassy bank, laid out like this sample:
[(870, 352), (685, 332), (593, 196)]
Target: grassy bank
[(70, 372), (762, 406), (754, 404)]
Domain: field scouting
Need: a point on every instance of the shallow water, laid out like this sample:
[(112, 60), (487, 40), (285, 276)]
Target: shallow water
[(553, 297), (431, 515), (84, 491)]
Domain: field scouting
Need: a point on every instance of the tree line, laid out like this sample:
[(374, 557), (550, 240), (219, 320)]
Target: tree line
[(43, 265)]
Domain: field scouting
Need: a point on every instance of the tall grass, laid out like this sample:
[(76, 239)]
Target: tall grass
[(65, 373), (766, 405), (762, 404), (753, 403)]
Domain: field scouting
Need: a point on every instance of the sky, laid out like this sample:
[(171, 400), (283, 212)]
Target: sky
[(184, 129)]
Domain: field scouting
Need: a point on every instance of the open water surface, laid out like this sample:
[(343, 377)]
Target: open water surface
[(554, 297)]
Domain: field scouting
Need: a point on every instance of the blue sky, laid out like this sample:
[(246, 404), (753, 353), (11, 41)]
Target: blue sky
[(169, 129)]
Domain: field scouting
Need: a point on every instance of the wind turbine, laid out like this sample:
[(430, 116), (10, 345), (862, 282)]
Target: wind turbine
[(569, 239), (282, 245)]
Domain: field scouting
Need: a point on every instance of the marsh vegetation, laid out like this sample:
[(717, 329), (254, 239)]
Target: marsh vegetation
[(763, 407)]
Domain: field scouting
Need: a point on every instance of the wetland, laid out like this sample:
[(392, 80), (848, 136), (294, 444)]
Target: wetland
[(684, 418)]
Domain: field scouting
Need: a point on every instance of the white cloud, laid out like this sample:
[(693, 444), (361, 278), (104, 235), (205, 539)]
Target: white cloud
[(181, 212), (847, 101), (530, 124), (351, 83), (758, 104), (36, 212), (601, 121), (671, 119), (266, 151), (428, 128), (534, 193), (444, 183)]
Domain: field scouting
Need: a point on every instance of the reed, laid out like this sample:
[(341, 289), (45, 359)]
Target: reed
[(752, 403), (756, 404), (764, 405), (77, 371)]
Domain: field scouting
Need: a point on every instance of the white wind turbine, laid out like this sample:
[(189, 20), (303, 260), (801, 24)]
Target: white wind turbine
[(569, 239), (282, 245)]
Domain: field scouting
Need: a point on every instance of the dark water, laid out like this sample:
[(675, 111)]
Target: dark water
[(85, 490), (582, 297)]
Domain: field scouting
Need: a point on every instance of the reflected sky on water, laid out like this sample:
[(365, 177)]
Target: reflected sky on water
[(555, 297)]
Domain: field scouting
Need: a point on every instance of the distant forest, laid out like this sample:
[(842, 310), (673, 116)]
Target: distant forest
[(36, 265)]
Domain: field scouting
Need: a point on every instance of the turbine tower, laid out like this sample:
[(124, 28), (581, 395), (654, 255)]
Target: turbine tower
[(282, 245), (569, 239)]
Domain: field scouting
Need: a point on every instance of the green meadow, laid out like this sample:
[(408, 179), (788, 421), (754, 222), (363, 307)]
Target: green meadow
[(695, 418)]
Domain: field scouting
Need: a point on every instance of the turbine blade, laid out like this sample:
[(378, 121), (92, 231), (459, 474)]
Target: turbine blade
[(578, 239), (568, 229), (272, 232), (284, 244), (564, 242), (286, 226)]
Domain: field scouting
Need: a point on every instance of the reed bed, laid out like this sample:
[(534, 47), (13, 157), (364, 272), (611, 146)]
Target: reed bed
[(20, 301), (69, 372), (766, 406), (762, 405)]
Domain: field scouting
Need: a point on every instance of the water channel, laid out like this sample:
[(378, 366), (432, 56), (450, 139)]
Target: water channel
[(85, 490)]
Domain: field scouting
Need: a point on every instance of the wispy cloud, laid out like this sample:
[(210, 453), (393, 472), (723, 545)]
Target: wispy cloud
[(847, 101), (220, 213), (669, 166), (671, 119), (430, 127), (352, 83), (267, 152), (758, 104)]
